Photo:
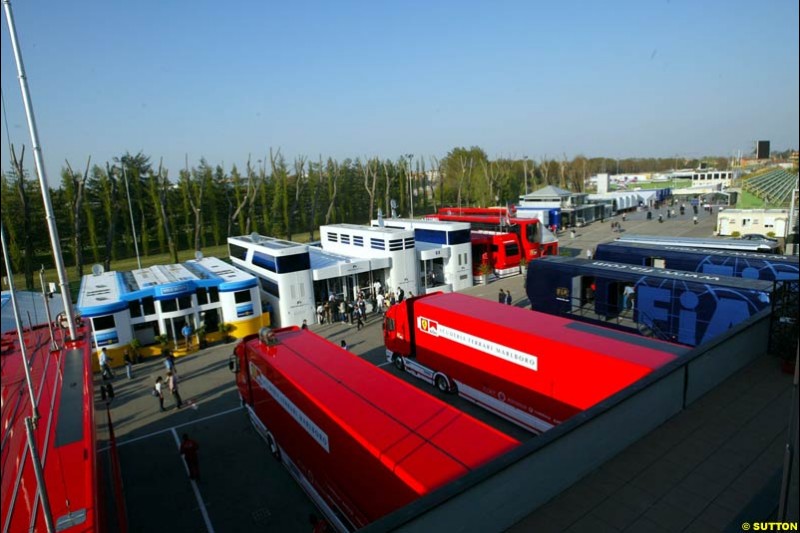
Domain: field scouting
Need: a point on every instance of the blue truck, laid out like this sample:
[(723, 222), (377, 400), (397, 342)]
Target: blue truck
[(685, 307), (752, 265)]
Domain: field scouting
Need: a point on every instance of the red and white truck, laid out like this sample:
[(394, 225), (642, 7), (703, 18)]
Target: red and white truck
[(360, 442), (534, 369)]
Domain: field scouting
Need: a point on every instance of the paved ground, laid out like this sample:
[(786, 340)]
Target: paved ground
[(243, 489)]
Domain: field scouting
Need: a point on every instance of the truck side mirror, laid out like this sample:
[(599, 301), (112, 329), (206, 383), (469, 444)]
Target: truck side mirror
[(233, 364)]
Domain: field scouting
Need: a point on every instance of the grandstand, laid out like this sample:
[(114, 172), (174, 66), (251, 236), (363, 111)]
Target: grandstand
[(774, 186)]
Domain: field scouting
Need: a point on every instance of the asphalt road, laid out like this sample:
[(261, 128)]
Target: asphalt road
[(242, 488)]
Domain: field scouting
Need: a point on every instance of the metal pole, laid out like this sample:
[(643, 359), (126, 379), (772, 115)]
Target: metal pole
[(792, 222), (37, 470), (790, 450), (40, 170), (133, 225), (18, 321), (53, 345)]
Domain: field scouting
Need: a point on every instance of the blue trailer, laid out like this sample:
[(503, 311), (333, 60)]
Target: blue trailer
[(686, 307), (734, 263)]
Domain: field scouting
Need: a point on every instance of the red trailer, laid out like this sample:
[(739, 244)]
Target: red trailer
[(360, 442), (64, 437), (533, 369), (498, 250), (533, 240)]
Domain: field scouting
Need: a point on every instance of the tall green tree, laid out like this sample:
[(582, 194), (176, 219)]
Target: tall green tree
[(74, 191)]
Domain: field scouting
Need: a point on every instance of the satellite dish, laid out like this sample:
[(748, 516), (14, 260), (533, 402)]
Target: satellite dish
[(198, 255), (255, 237), (98, 269)]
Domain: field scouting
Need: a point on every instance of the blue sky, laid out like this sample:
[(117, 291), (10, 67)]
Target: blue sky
[(222, 80)]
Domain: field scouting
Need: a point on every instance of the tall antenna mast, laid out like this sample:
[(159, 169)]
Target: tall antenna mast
[(39, 161)]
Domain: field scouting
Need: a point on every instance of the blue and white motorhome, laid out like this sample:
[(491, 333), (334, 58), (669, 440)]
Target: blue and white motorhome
[(713, 243), (159, 300), (283, 269), (686, 307), (444, 252), (751, 265)]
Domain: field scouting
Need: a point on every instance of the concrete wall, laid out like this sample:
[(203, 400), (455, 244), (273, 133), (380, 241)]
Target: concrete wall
[(501, 493)]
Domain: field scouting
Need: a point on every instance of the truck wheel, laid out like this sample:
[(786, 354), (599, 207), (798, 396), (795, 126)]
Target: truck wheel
[(442, 383), (398, 362), (273, 447)]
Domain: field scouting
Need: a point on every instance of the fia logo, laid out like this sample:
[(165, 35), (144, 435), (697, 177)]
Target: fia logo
[(428, 326)]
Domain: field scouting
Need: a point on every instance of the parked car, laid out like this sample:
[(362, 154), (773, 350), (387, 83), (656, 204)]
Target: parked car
[(757, 237)]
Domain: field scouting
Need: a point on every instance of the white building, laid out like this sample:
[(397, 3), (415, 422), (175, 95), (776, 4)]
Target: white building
[(391, 251), (443, 248), (713, 177), (769, 222)]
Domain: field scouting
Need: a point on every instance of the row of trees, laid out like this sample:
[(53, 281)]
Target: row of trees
[(205, 204)]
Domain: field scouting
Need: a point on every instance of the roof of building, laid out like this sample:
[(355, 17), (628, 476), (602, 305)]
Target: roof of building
[(110, 292), (548, 192)]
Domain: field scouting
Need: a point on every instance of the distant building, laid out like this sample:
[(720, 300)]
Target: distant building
[(759, 221), (711, 177), (444, 252)]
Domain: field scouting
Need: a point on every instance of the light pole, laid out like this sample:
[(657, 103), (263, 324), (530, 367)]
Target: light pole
[(410, 188), (130, 210)]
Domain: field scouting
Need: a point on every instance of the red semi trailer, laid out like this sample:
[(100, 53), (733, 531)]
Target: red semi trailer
[(533, 369), (360, 441)]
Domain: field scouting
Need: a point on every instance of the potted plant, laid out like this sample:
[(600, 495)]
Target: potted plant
[(483, 272), (135, 344), (162, 339), (225, 328), (523, 265), (201, 337)]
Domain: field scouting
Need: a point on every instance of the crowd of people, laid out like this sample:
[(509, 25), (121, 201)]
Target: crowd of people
[(370, 302)]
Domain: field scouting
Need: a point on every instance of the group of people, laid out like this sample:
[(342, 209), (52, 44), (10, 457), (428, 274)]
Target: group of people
[(504, 297), (355, 312), (171, 383), (188, 447)]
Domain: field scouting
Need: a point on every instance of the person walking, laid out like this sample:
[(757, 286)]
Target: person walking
[(128, 364), (401, 295), (172, 383), (508, 297), (158, 391), (359, 320), (187, 331), (189, 449), (362, 307), (379, 302), (169, 362), (501, 297), (105, 368), (627, 293)]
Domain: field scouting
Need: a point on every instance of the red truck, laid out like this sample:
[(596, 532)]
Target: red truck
[(360, 441), (533, 369)]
